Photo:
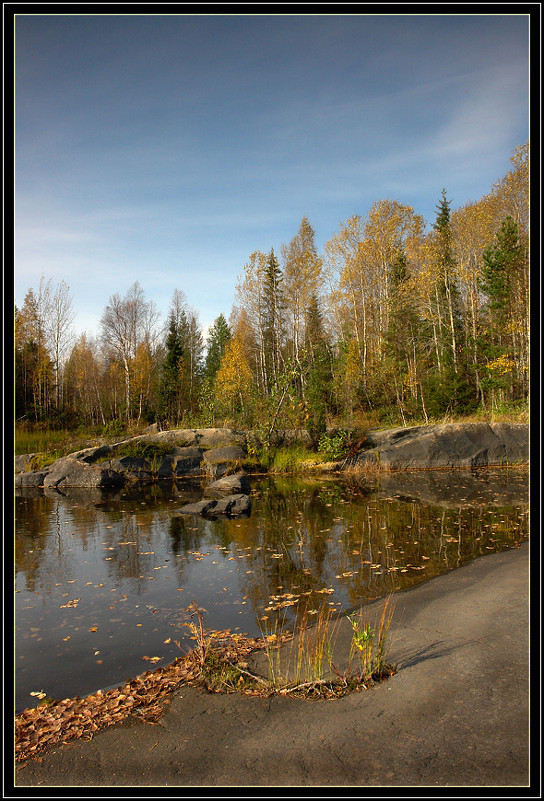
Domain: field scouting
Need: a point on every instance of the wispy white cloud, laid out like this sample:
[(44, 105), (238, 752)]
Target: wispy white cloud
[(483, 119)]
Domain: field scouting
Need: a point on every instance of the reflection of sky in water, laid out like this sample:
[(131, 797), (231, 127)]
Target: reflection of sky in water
[(103, 581)]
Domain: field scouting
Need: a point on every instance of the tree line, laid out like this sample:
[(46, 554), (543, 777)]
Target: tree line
[(392, 321)]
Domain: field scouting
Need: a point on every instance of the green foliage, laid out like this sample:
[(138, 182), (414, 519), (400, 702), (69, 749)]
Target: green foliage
[(218, 336), (370, 643), (289, 459), (172, 371), (501, 262), (41, 460), (503, 271), (114, 428), (181, 368), (334, 446)]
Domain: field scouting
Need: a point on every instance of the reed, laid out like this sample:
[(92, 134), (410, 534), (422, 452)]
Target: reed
[(370, 643), (305, 667), (309, 653), (313, 645)]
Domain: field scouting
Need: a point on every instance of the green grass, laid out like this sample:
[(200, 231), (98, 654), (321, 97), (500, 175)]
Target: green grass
[(299, 662), (152, 451), (42, 441), (308, 656), (291, 459), (60, 442)]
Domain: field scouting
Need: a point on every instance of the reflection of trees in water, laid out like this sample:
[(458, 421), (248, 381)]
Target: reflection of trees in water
[(32, 536), (184, 535), (289, 553), (362, 545), (40, 549), (302, 537)]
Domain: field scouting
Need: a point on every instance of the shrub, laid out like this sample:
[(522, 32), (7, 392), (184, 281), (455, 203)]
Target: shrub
[(334, 446)]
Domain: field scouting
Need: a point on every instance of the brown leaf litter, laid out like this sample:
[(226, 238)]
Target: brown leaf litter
[(57, 722)]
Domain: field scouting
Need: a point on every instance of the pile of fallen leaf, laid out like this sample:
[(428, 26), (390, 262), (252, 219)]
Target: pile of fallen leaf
[(55, 723)]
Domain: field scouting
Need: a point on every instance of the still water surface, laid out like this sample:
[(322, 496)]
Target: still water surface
[(102, 579)]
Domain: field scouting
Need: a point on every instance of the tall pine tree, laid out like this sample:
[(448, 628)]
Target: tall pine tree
[(449, 386), (272, 318), (218, 336), (172, 370)]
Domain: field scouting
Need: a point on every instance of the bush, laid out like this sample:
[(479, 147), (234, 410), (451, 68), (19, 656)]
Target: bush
[(334, 446), (114, 428)]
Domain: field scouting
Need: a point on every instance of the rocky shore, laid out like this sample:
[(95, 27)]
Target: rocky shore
[(450, 445), (215, 453)]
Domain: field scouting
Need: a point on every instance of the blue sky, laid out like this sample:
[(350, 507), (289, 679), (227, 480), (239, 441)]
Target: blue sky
[(166, 149)]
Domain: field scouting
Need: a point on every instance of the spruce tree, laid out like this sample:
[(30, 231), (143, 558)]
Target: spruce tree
[(218, 336), (402, 346), (451, 389), (502, 264), (272, 317), (318, 369), (172, 370)]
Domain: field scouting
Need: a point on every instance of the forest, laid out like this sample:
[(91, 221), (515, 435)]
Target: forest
[(394, 322)]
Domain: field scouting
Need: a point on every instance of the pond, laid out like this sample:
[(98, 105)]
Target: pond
[(102, 580)]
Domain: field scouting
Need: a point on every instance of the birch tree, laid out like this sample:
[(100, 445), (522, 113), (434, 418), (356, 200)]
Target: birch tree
[(302, 277), (58, 317), (125, 324)]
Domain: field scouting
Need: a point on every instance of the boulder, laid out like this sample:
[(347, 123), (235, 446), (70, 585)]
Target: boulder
[(32, 479), (199, 508), (208, 438), (203, 438), (232, 505), (238, 483), (24, 461), (452, 445), (219, 461), (130, 466), (187, 461), (300, 436), (91, 455), (69, 472), (152, 429)]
